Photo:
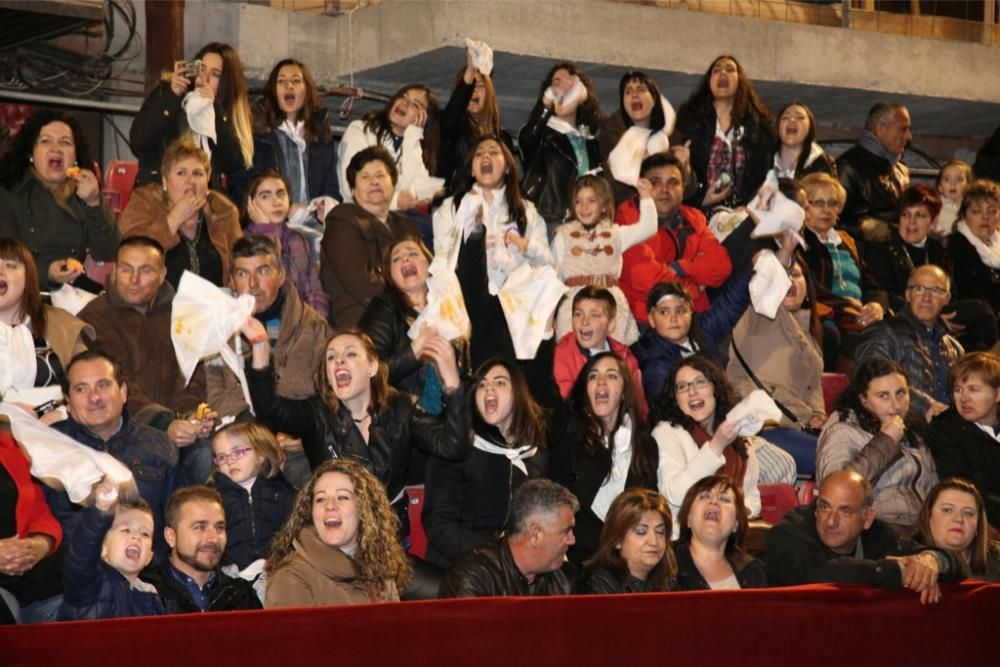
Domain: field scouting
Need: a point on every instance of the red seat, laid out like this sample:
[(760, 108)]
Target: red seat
[(833, 385), (775, 500), (808, 492), (118, 182), (418, 539)]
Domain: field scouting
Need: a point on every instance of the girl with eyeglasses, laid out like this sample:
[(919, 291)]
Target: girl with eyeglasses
[(255, 496), (694, 437)]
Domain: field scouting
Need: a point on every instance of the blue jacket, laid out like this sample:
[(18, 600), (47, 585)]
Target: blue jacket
[(145, 451), (656, 355), (252, 519), (92, 589)]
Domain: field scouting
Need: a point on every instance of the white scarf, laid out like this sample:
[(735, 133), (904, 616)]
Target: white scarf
[(621, 459), (815, 150), (515, 455), (990, 254), (201, 119), (562, 127), (17, 349), (296, 132), (635, 145)]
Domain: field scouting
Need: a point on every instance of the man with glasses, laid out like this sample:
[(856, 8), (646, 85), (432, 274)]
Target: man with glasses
[(190, 580), (918, 341), (837, 539)]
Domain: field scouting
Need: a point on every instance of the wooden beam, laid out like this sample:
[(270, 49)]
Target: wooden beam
[(164, 37)]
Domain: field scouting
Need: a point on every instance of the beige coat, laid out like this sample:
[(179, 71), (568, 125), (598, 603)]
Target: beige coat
[(66, 334), (785, 359), (319, 575)]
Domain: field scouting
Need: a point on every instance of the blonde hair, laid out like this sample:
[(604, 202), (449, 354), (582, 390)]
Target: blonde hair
[(813, 182), (260, 439)]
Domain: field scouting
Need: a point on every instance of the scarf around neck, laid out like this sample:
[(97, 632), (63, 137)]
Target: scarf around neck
[(989, 254)]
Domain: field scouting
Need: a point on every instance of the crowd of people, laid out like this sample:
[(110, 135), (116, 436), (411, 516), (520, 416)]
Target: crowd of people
[(554, 333)]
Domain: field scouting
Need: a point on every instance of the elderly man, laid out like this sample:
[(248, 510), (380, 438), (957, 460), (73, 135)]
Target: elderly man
[(837, 539), (296, 331), (132, 321), (682, 250), (917, 340), (190, 580), (531, 559), (871, 171)]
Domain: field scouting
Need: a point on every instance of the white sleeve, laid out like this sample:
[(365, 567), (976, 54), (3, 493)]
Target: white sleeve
[(635, 234), (537, 253), (682, 463), (445, 234), (751, 494), (355, 140), (559, 252), (411, 158)]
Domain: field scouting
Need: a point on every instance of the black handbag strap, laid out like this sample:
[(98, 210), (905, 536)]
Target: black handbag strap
[(753, 376)]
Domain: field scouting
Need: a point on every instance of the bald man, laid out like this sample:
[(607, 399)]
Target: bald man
[(837, 539), (917, 340)]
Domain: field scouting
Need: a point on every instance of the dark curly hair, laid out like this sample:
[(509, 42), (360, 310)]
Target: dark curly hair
[(699, 108), (589, 111), (849, 400), (667, 409), (18, 159)]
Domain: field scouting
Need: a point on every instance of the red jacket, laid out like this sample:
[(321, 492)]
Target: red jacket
[(569, 360), (703, 263), (32, 515)]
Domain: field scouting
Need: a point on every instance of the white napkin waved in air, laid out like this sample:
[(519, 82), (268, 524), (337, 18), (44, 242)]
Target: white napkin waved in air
[(482, 55), (775, 212), (203, 320), (445, 310), (752, 412), (528, 297), (769, 285)]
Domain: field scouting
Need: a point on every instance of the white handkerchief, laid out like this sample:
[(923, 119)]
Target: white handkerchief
[(725, 221), (636, 143), (71, 299), (445, 310), (528, 297), (203, 320), (482, 55), (63, 463), (769, 285), (200, 113), (775, 212), (752, 412)]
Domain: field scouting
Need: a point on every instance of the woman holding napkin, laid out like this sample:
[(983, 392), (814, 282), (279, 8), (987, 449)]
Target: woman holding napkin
[(697, 438)]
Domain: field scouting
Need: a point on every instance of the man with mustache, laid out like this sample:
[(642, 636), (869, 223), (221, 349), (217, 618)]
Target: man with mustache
[(190, 580), (296, 331)]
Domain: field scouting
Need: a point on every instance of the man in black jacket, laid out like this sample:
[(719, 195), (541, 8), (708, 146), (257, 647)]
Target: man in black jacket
[(872, 171), (837, 539), (531, 559), (190, 580)]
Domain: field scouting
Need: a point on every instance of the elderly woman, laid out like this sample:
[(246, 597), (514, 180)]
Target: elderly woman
[(37, 341), (606, 448), (842, 281), (339, 545), (206, 99), (694, 437), (797, 153), (406, 127), (51, 204), (954, 518), (357, 415), (29, 533), (389, 316), (962, 438), (633, 555), (195, 225), (873, 432), (710, 553), (559, 141), (358, 234), (729, 128), (974, 246)]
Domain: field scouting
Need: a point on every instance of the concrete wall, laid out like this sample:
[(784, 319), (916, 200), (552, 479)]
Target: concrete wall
[(599, 31)]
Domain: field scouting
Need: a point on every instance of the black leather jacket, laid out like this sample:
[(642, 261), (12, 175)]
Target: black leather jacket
[(599, 580), (385, 320), (226, 594), (393, 432), (490, 571), (890, 264), (873, 187), (749, 572), (550, 166)]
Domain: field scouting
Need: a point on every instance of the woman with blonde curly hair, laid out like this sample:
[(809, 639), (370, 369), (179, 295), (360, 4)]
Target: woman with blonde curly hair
[(339, 545)]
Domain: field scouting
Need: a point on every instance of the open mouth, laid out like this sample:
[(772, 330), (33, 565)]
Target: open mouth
[(585, 334), (408, 271), (636, 107), (712, 515), (56, 162), (491, 404), (486, 168), (696, 405), (289, 98), (133, 552), (602, 396), (332, 523), (342, 378), (3, 287)]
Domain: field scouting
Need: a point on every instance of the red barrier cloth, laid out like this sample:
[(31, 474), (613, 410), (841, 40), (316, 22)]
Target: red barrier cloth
[(842, 626)]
